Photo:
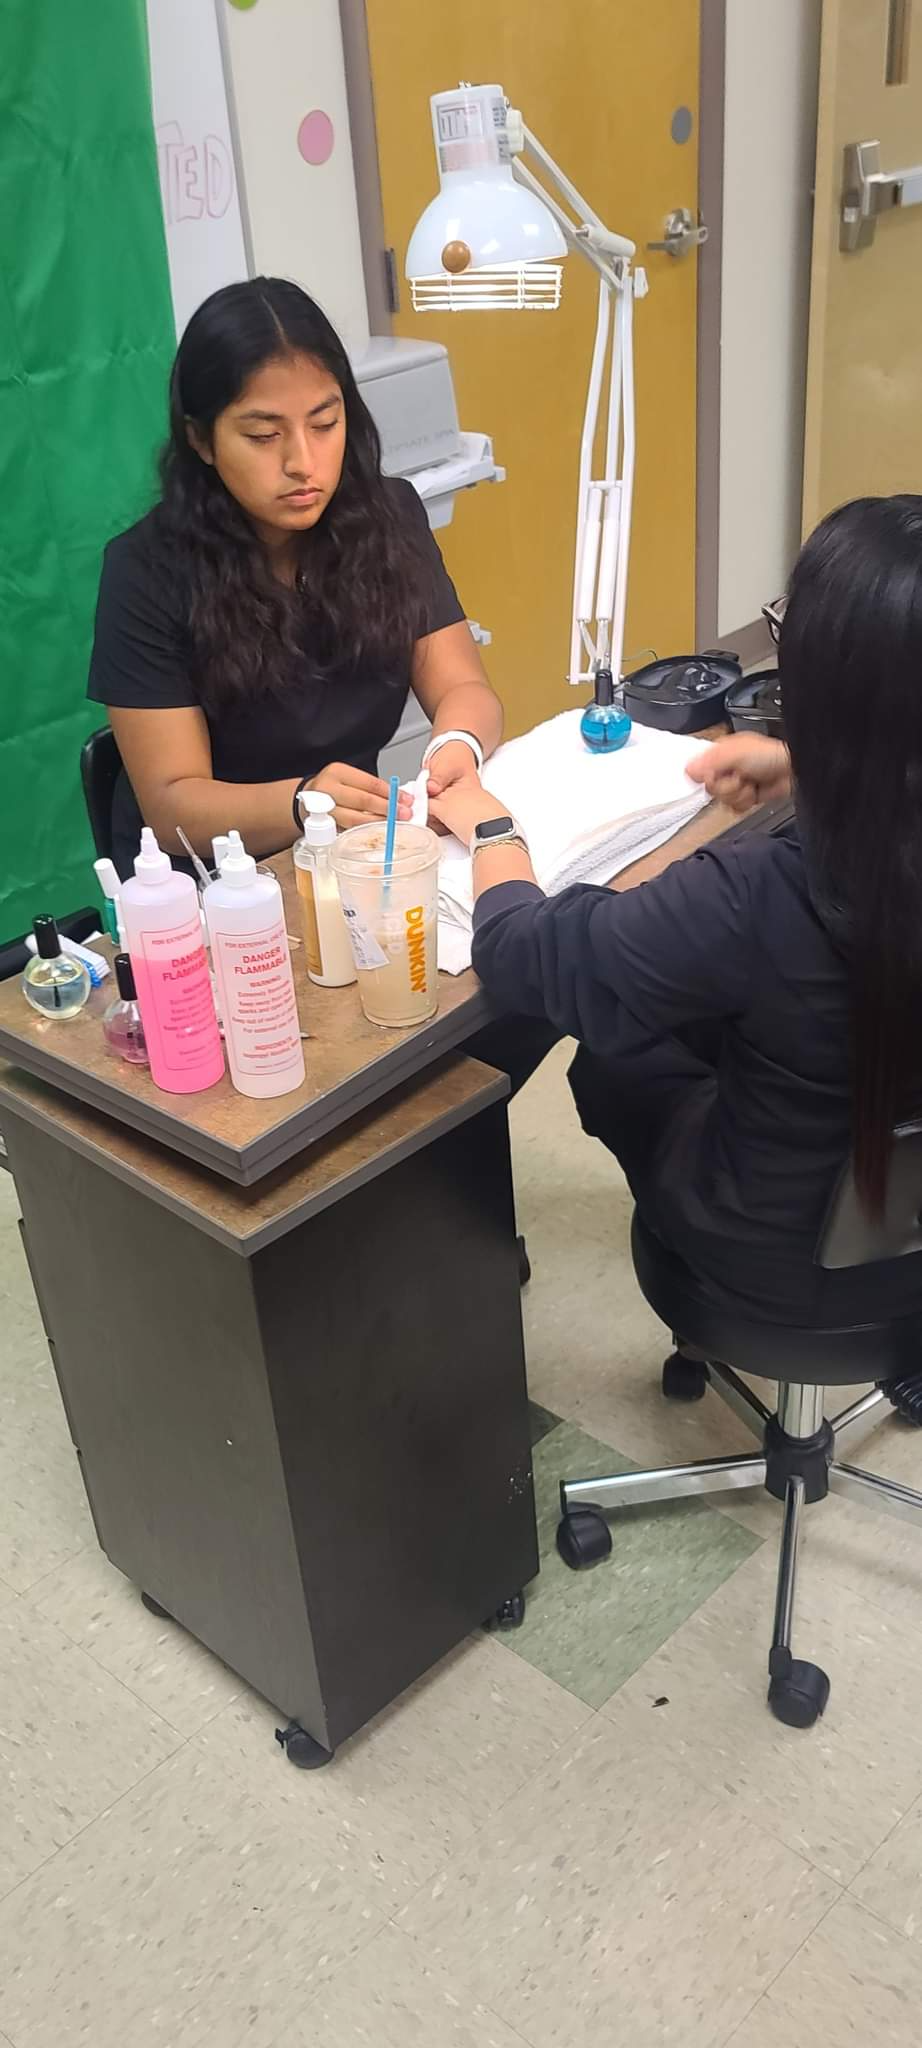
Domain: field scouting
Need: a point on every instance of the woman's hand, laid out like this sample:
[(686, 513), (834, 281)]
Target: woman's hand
[(463, 805), (453, 763), (743, 771), (358, 797)]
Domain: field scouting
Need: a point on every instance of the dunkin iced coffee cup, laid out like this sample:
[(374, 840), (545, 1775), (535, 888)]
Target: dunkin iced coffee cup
[(392, 919)]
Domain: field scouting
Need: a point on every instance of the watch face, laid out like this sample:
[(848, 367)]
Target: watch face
[(494, 828)]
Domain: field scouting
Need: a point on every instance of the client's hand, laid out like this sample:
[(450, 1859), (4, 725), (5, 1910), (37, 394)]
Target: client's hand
[(742, 771), (463, 805), (358, 797), (455, 762)]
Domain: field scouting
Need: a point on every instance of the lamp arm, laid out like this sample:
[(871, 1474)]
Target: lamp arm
[(588, 505), (591, 234), (583, 240), (603, 525)]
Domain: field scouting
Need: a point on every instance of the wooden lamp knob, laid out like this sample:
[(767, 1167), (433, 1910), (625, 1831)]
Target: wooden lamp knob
[(456, 257)]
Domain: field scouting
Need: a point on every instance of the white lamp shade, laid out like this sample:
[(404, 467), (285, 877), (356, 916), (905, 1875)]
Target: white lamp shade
[(495, 233), (498, 220)]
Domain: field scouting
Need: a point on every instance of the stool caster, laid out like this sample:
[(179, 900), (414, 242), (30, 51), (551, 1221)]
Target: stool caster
[(583, 1538), (684, 1379), (524, 1262), (153, 1607), (905, 1395), (301, 1749), (798, 1695), (510, 1615)]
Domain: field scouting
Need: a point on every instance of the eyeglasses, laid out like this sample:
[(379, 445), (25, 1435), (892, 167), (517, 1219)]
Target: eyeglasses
[(773, 615)]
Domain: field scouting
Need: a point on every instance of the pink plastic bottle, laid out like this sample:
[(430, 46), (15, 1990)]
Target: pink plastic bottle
[(252, 964), (163, 937)]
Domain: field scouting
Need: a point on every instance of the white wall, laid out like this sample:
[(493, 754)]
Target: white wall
[(263, 71), (286, 64), (772, 57), (198, 186)]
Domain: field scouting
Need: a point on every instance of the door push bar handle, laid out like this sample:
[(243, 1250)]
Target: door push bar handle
[(867, 192)]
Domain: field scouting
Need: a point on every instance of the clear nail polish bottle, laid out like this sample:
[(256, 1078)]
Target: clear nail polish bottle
[(53, 982), (124, 1031)]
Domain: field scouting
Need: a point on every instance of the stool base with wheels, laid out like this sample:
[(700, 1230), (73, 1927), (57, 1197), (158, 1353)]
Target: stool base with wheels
[(797, 1465), (799, 1457)]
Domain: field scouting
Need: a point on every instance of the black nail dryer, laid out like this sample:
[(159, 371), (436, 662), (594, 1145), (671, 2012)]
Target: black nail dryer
[(754, 705), (682, 693)]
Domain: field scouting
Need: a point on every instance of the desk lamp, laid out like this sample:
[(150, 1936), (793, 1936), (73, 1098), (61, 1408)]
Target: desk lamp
[(492, 241)]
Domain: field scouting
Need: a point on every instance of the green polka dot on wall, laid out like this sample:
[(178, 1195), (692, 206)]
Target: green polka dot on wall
[(242, 5)]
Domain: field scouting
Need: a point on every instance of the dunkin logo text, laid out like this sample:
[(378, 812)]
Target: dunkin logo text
[(416, 949)]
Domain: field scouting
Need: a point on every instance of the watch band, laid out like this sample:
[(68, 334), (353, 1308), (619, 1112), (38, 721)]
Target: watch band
[(295, 806), (442, 739), (512, 836)]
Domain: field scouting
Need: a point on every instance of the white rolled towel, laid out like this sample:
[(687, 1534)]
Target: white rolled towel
[(586, 816)]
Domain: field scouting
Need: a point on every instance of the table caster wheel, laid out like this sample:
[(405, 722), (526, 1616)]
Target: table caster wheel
[(684, 1379), (583, 1538), (510, 1615), (301, 1749), (524, 1262), (799, 1696), (153, 1607)]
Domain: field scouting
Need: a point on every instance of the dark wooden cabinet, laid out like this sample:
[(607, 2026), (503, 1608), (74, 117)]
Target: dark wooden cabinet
[(300, 1410)]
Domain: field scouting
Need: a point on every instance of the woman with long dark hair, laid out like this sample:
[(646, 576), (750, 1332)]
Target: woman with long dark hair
[(752, 1018), (260, 629)]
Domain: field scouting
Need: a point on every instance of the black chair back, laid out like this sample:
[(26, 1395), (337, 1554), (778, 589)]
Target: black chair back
[(100, 766), (850, 1238)]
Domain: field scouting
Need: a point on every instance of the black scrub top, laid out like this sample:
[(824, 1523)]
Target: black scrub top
[(142, 660), (734, 1172)]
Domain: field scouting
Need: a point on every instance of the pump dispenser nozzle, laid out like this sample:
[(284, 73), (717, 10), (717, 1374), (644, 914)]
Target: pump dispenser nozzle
[(319, 824)]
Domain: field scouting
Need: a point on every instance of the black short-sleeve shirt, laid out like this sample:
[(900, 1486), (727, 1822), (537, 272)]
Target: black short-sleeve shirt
[(142, 659)]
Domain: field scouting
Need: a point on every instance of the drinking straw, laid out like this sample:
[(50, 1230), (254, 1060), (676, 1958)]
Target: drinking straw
[(391, 826)]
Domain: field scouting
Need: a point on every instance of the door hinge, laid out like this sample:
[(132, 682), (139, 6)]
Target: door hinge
[(391, 283)]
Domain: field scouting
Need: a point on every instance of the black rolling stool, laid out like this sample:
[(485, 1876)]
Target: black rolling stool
[(799, 1459)]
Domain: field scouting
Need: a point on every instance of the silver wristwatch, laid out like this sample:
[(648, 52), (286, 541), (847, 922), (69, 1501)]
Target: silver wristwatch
[(494, 832)]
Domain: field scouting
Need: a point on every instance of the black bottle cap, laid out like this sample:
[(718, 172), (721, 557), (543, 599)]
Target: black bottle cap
[(46, 938), (604, 686), (125, 978)]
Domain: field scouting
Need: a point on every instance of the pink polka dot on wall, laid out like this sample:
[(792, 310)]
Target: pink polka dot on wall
[(316, 137)]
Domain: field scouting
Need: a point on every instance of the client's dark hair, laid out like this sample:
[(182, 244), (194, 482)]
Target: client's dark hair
[(355, 588), (851, 687)]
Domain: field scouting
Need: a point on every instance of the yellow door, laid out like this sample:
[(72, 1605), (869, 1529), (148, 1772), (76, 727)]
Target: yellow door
[(864, 378), (599, 85)]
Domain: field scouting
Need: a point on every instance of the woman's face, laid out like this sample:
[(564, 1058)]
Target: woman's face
[(279, 448)]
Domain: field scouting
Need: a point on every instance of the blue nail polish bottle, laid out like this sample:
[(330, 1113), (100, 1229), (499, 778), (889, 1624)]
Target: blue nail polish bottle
[(605, 725)]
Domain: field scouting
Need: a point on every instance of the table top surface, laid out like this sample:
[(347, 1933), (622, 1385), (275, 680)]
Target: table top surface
[(410, 1116), (350, 1063)]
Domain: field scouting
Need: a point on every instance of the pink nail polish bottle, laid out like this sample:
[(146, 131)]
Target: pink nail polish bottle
[(122, 1026)]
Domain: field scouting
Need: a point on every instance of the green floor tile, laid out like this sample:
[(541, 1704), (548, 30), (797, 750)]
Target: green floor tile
[(590, 1630), (540, 1421)]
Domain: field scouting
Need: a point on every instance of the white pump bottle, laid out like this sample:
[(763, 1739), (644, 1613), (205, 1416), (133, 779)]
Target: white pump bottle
[(326, 935)]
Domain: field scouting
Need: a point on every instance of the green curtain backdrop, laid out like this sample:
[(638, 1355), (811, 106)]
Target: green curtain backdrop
[(86, 336)]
